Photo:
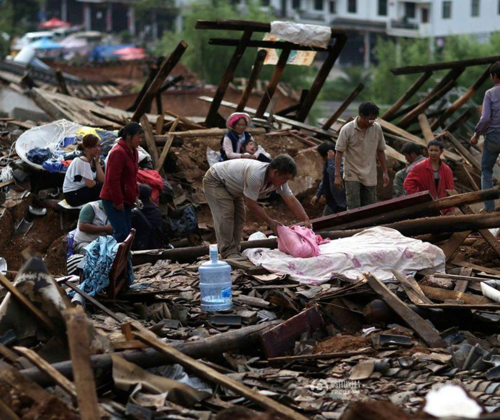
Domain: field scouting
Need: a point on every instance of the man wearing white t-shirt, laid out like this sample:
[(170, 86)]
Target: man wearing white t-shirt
[(233, 185)]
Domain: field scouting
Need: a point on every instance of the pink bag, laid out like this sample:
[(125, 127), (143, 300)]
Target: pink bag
[(298, 241)]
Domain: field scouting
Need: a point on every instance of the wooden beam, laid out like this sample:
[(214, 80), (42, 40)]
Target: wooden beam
[(487, 270), (167, 66), (79, 348), (62, 87), (153, 70), (41, 317), (412, 319), (409, 118), (389, 115), (451, 76), (336, 115), (273, 83), (460, 121), (276, 45), (150, 140), (320, 79), (463, 151), (227, 77), (254, 76), (166, 148), (209, 132), (445, 65), (426, 128), (203, 371), (159, 125), (461, 285), (455, 106), (47, 368)]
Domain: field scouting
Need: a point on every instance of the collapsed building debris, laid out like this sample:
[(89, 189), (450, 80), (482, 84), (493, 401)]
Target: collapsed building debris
[(288, 349)]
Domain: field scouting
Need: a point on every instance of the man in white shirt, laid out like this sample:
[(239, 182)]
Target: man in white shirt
[(232, 185), (361, 142)]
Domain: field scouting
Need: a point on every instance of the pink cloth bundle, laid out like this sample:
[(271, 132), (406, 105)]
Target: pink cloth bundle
[(299, 241)]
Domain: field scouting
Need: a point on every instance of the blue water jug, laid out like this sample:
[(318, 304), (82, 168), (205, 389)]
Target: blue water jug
[(215, 284)]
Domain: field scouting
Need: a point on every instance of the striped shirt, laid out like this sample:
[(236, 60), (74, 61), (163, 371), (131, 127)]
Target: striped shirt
[(246, 177)]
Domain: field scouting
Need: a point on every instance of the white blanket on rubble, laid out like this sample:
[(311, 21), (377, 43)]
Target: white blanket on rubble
[(376, 250)]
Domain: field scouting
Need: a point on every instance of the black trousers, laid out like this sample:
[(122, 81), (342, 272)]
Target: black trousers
[(83, 195)]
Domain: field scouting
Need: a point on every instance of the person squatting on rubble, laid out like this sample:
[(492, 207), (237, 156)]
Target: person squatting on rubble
[(413, 154), (119, 192), (335, 199), (228, 186), (250, 147), (84, 177), (92, 223), (236, 135), (489, 124), (148, 223), (431, 174), (361, 142)]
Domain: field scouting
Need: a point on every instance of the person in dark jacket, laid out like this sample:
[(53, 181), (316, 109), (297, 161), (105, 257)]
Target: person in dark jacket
[(148, 223), (335, 199), (119, 192)]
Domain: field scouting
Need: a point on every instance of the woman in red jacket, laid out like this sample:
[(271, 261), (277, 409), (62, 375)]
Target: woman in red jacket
[(432, 175), (119, 192)]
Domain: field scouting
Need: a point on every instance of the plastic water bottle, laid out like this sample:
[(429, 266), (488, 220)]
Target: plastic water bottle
[(215, 284)]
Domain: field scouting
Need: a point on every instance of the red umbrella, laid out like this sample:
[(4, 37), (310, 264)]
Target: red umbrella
[(130, 51), (54, 23)]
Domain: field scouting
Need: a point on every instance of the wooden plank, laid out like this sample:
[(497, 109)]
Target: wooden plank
[(415, 321), (276, 45), (389, 115), (476, 267), (210, 132), (415, 294), (444, 295), (321, 77), (454, 243), (426, 128), (461, 285), (273, 83), (463, 151), (254, 76), (167, 66), (47, 368), (281, 339), (337, 114), (150, 141), (201, 370), (414, 139), (227, 77), (166, 148), (444, 65), (43, 319), (79, 348), (159, 124)]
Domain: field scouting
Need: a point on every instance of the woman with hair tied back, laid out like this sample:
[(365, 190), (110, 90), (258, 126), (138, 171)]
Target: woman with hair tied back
[(120, 190), (84, 177)]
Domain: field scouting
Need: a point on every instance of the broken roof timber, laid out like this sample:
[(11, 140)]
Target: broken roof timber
[(444, 66)]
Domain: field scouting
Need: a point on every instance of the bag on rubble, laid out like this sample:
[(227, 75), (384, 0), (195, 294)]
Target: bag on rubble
[(297, 241)]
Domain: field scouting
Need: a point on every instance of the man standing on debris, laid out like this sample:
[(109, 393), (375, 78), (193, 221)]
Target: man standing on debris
[(362, 142), (413, 155), (489, 124), (119, 192), (229, 186), (335, 200), (432, 175)]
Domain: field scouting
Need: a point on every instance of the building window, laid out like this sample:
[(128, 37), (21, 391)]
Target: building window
[(333, 7), (382, 7), (410, 10), (352, 6), (318, 4), (296, 4), (475, 8), (265, 3), (425, 15), (446, 9)]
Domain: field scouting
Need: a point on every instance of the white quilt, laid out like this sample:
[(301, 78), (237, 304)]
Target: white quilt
[(376, 250)]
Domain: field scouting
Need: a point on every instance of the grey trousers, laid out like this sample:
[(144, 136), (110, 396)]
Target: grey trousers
[(359, 195), (228, 214)]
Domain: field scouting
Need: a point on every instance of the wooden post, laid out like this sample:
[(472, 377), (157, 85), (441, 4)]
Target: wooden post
[(150, 140), (254, 76), (321, 77), (160, 121), (463, 99), (273, 83), (62, 87), (160, 77), (389, 115), (463, 151), (79, 348), (426, 128), (336, 115), (455, 125), (408, 119), (227, 77)]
